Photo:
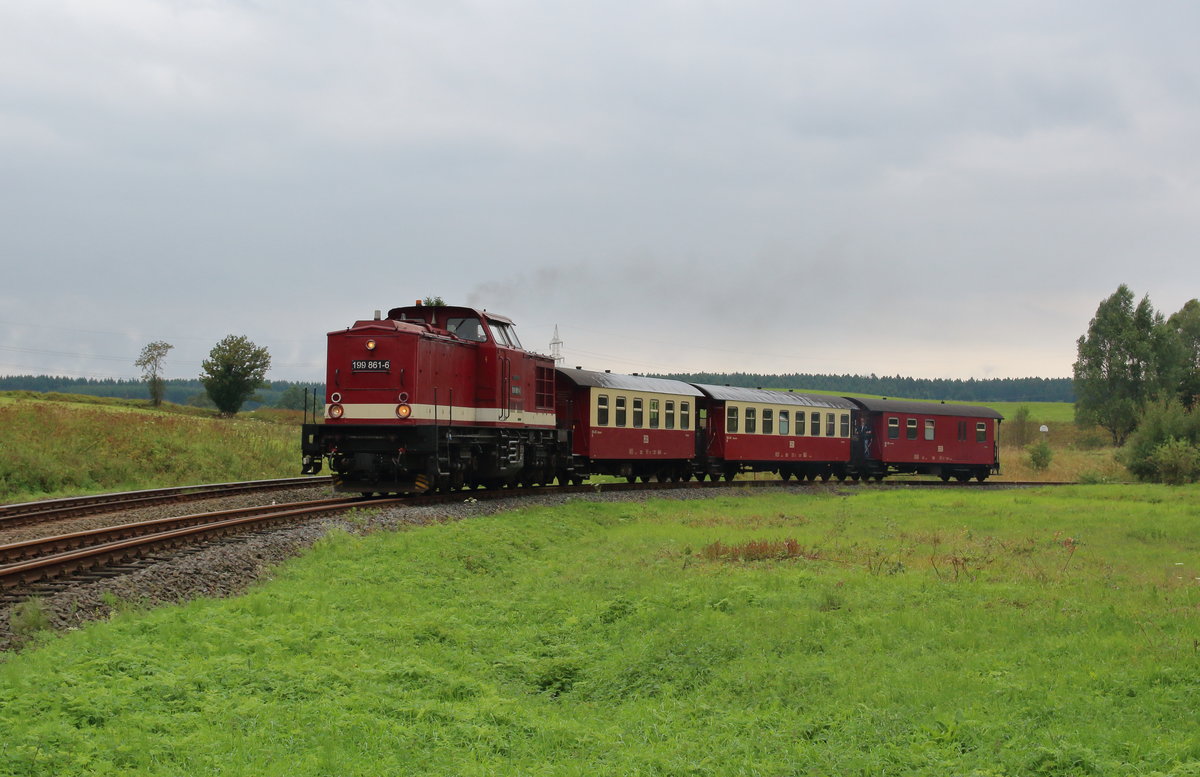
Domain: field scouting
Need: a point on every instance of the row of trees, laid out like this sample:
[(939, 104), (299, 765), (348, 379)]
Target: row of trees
[(1137, 375), (968, 390)]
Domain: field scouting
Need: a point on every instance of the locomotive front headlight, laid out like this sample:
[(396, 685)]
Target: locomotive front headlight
[(403, 411), (336, 411), (370, 345)]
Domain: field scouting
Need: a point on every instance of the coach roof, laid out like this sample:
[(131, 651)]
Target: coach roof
[(610, 380), (765, 397), (914, 407)]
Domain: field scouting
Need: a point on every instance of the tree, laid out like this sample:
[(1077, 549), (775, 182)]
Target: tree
[(233, 371), (1124, 361), (1185, 325), (151, 362), (433, 302)]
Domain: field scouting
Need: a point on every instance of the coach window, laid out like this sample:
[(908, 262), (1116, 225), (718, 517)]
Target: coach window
[(685, 416), (768, 421), (639, 415), (751, 420), (893, 428), (814, 426), (962, 431), (731, 419), (783, 421), (981, 432), (845, 423), (910, 429), (928, 428), (621, 411), (602, 410), (830, 425), (654, 414), (800, 416), (669, 412)]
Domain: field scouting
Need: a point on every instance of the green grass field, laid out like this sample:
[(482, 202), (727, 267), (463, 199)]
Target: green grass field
[(60, 445), (1024, 632)]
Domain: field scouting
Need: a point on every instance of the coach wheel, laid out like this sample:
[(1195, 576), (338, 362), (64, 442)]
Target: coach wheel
[(854, 476), (981, 476), (879, 477), (962, 478), (783, 473), (729, 476), (945, 476)]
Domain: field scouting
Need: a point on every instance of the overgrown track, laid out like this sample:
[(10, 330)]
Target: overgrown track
[(47, 563), (25, 513)]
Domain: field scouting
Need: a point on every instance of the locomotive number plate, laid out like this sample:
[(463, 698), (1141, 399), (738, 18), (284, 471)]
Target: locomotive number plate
[(371, 365)]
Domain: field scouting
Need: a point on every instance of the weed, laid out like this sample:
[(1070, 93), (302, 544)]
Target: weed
[(29, 617)]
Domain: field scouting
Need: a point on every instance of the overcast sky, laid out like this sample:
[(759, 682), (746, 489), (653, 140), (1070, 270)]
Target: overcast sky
[(919, 188)]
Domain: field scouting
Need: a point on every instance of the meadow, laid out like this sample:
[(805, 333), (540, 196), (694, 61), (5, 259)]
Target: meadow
[(61, 445), (796, 632)]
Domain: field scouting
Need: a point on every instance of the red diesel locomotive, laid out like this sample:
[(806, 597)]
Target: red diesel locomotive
[(446, 397)]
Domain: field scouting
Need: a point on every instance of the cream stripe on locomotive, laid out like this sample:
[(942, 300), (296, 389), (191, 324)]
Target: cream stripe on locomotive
[(445, 414), (802, 421)]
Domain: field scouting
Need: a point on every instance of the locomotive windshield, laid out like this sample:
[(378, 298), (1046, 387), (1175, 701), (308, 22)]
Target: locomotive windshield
[(466, 328), (504, 334)]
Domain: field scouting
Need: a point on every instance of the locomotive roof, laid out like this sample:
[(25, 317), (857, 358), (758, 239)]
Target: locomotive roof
[(427, 312), (925, 408), (612, 380), (763, 396)]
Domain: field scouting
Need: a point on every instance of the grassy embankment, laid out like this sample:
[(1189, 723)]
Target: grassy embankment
[(59, 445), (1007, 633)]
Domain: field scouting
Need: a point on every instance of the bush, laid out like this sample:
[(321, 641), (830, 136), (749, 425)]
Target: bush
[(1161, 423), (1040, 456), (1176, 462)]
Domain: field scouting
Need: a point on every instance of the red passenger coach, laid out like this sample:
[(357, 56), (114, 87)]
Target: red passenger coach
[(434, 397), (806, 435), (928, 438), (628, 425)]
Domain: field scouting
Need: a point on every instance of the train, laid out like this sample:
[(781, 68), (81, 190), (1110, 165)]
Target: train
[(446, 397)]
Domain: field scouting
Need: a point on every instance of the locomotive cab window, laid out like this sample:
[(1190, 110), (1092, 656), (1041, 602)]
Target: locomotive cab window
[(638, 413), (467, 329), (893, 428), (669, 414), (731, 419), (910, 431), (929, 428), (621, 417), (981, 432), (602, 410), (783, 421)]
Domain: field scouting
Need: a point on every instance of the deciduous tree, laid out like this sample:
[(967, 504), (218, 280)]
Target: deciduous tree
[(151, 362), (1123, 362), (233, 371), (1185, 324)]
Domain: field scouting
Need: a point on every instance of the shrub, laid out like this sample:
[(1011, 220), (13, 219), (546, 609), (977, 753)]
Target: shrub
[(1161, 423), (1040, 456), (1176, 462)]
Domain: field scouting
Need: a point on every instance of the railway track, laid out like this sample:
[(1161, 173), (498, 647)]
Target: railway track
[(25, 513), (35, 565)]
